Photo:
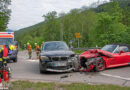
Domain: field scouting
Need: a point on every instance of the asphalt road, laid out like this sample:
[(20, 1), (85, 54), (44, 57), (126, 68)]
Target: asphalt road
[(26, 69)]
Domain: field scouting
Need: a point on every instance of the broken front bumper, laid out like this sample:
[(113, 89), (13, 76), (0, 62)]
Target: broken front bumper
[(90, 64), (54, 70), (58, 66)]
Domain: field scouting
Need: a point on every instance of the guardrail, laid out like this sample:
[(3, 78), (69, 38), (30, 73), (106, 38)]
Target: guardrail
[(86, 48)]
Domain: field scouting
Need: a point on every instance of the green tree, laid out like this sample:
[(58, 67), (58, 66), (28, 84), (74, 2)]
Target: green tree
[(4, 14), (110, 25), (50, 25)]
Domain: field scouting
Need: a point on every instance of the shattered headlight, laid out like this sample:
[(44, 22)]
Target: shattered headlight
[(44, 58)]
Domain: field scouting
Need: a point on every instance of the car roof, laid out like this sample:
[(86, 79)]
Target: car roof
[(54, 41)]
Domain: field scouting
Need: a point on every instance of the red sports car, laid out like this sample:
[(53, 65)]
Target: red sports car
[(113, 55)]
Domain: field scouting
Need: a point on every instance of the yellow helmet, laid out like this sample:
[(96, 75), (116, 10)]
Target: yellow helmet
[(28, 43), (35, 43), (1, 48), (11, 47)]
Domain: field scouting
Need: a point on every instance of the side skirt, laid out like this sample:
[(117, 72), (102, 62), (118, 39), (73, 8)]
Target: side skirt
[(118, 65)]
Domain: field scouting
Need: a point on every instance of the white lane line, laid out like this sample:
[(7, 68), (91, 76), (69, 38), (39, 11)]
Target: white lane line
[(109, 75), (32, 60)]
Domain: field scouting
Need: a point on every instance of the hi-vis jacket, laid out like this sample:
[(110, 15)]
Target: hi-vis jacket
[(3, 52), (29, 48)]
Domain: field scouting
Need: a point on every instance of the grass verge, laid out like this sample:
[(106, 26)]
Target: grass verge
[(26, 85), (78, 51)]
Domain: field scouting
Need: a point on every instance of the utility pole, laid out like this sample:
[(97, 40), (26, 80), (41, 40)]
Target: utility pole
[(78, 36), (61, 32), (82, 33), (78, 42)]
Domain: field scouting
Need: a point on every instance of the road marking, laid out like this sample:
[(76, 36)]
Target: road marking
[(109, 75), (32, 60)]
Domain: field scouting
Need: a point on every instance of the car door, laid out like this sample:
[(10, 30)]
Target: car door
[(118, 58), (128, 57), (127, 54), (122, 57)]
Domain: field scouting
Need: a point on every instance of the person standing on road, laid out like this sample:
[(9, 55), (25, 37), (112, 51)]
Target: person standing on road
[(29, 50), (24, 46), (3, 55), (4, 73), (37, 49)]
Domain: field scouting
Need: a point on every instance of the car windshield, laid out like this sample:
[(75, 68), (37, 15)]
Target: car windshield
[(109, 48), (6, 41), (53, 46)]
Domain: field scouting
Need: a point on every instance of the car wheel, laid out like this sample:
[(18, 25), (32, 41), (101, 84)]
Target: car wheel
[(40, 67), (100, 65), (15, 60), (41, 71), (8, 61)]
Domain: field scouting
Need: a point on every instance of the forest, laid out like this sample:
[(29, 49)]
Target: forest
[(108, 23)]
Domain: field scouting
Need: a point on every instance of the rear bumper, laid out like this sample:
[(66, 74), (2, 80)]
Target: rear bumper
[(11, 57)]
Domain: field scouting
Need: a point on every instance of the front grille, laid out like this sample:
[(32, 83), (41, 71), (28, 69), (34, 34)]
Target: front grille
[(60, 68), (58, 58), (55, 58), (64, 58)]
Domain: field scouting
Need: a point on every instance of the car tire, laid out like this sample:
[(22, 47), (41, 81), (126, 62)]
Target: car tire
[(100, 65), (8, 61), (15, 60), (40, 68), (41, 71)]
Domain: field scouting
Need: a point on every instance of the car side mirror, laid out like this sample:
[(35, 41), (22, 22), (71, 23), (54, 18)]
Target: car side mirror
[(71, 48), (121, 51)]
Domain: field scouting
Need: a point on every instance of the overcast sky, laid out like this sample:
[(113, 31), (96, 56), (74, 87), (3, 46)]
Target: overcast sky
[(29, 12)]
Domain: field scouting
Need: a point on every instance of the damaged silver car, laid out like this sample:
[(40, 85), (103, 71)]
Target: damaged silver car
[(57, 57)]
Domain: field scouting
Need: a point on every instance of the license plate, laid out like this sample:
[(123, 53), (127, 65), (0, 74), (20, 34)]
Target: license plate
[(59, 64)]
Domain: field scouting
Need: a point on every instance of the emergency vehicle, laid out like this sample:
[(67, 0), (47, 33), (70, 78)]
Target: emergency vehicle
[(7, 38)]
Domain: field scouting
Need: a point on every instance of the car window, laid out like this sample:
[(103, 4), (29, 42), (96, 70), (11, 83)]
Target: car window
[(6, 41), (109, 48), (117, 51), (52, 46), (124, 48)]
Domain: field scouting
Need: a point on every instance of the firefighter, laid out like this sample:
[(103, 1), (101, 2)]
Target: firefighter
[(3, 55), (29, 47), (37, 49), (4, 72)]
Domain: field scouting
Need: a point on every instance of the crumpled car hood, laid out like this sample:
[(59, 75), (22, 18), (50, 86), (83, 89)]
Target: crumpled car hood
[(57, 53), (94, 53)]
